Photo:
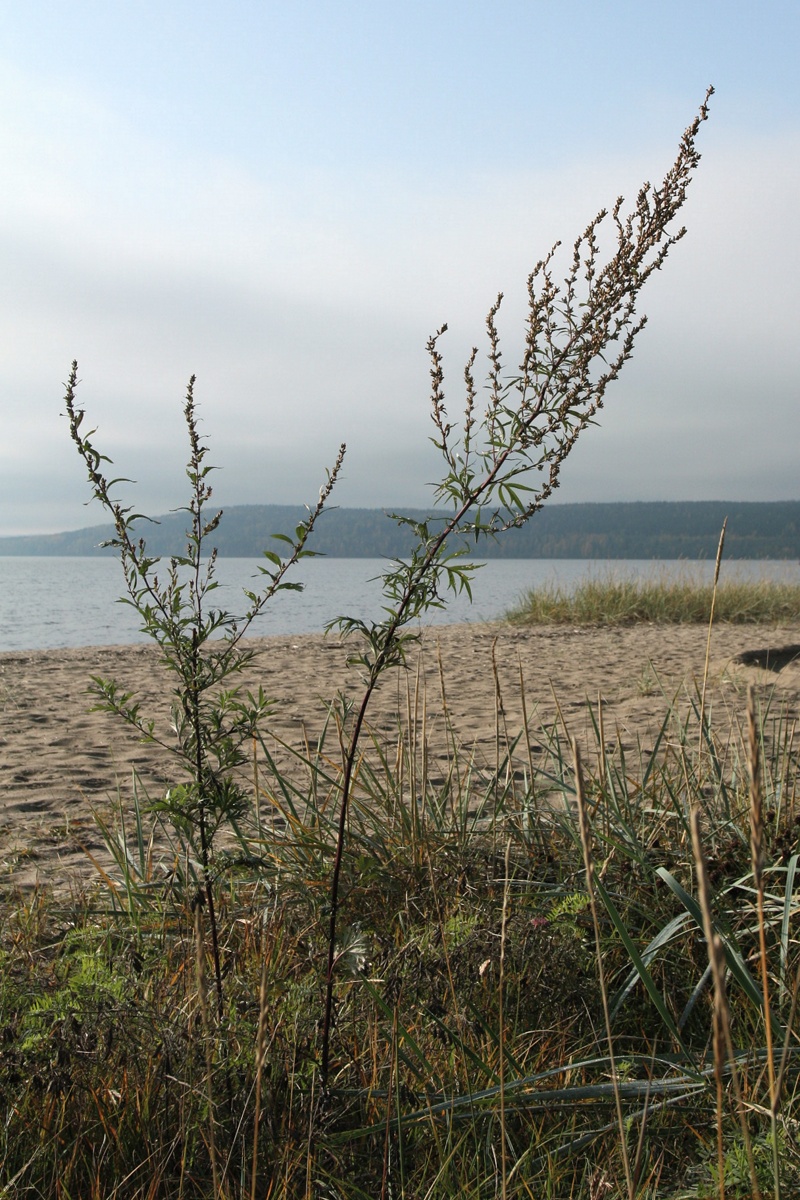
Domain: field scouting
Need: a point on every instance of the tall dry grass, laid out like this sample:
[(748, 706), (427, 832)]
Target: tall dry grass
[(611, 600), (503, 1024)]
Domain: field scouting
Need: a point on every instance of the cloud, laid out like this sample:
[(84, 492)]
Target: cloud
[(303, 304)]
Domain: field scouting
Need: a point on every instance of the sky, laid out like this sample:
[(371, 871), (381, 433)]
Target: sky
[(287, 199)]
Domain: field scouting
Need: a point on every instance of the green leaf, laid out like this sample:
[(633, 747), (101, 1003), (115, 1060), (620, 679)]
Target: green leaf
[(736, 963), (642, 971)]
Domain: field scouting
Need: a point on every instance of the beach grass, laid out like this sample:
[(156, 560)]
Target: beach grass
[(615, 600), (470, 1053)]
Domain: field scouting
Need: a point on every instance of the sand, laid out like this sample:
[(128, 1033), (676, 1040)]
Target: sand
[(59, 759)]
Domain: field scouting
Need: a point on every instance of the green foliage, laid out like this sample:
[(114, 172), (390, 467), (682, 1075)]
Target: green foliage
[(200, 645), (566, 911), (736, 1171), (83, 983)]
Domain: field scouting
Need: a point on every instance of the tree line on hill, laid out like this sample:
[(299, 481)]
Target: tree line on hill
[(644, 530)]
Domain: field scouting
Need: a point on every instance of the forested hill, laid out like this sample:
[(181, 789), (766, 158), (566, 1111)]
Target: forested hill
[(645, 530)]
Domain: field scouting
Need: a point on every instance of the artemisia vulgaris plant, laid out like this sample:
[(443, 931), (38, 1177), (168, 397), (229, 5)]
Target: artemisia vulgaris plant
[(503, 461), (201, 646)]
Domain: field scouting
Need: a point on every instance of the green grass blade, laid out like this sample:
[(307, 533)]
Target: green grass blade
[(662, 938), (736, 963), (791, 872), (642, 971)]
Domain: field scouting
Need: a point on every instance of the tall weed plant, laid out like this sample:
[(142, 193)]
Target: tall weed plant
[(200, 645)]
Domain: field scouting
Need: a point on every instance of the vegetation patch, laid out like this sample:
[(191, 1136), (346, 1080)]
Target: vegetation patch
[(468, 997), (610, 600)]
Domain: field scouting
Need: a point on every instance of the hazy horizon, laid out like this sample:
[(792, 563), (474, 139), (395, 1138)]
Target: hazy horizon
[(388, 509), (288, 200)]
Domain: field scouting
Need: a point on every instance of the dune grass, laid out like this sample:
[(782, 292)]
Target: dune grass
[(610, 600), (470, 1053)]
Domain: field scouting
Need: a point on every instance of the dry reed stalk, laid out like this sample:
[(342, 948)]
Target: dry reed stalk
[(529, 749), (399, 773), (289, 1117), (425, 757), (310, 1143), (501, 1019), (723, 1041), (500, 717), (450, 742), (310, 762), (787, 758), (588, 862), (261, 1044), (256, 790), (498, 712), (757, 858), (385, 1180), (638, 1160), (202, 994), (524, 702), (717, 565), (718, 1029), (793, 800), (601, 735), (560, 713), (411, 722)]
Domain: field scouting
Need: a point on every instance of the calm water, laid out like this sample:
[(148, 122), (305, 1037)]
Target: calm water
[(48, 603)]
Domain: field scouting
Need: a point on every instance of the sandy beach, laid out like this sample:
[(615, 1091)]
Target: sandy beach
[(58, 759)]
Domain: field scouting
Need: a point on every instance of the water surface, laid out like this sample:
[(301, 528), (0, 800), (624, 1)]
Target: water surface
[(49, 603)]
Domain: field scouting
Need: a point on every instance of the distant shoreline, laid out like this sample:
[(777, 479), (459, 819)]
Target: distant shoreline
[(668, 530)]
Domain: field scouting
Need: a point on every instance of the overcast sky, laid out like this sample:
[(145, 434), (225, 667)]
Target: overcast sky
[(286, 199)]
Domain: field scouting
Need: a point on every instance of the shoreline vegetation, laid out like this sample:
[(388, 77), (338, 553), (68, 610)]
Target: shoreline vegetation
[(644, 530), (606, 600)]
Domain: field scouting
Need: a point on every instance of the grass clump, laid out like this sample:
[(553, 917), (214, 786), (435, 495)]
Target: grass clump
[(609, 600), (507, 1020)]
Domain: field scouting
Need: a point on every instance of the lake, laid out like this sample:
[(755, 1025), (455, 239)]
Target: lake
[(49, 603)]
